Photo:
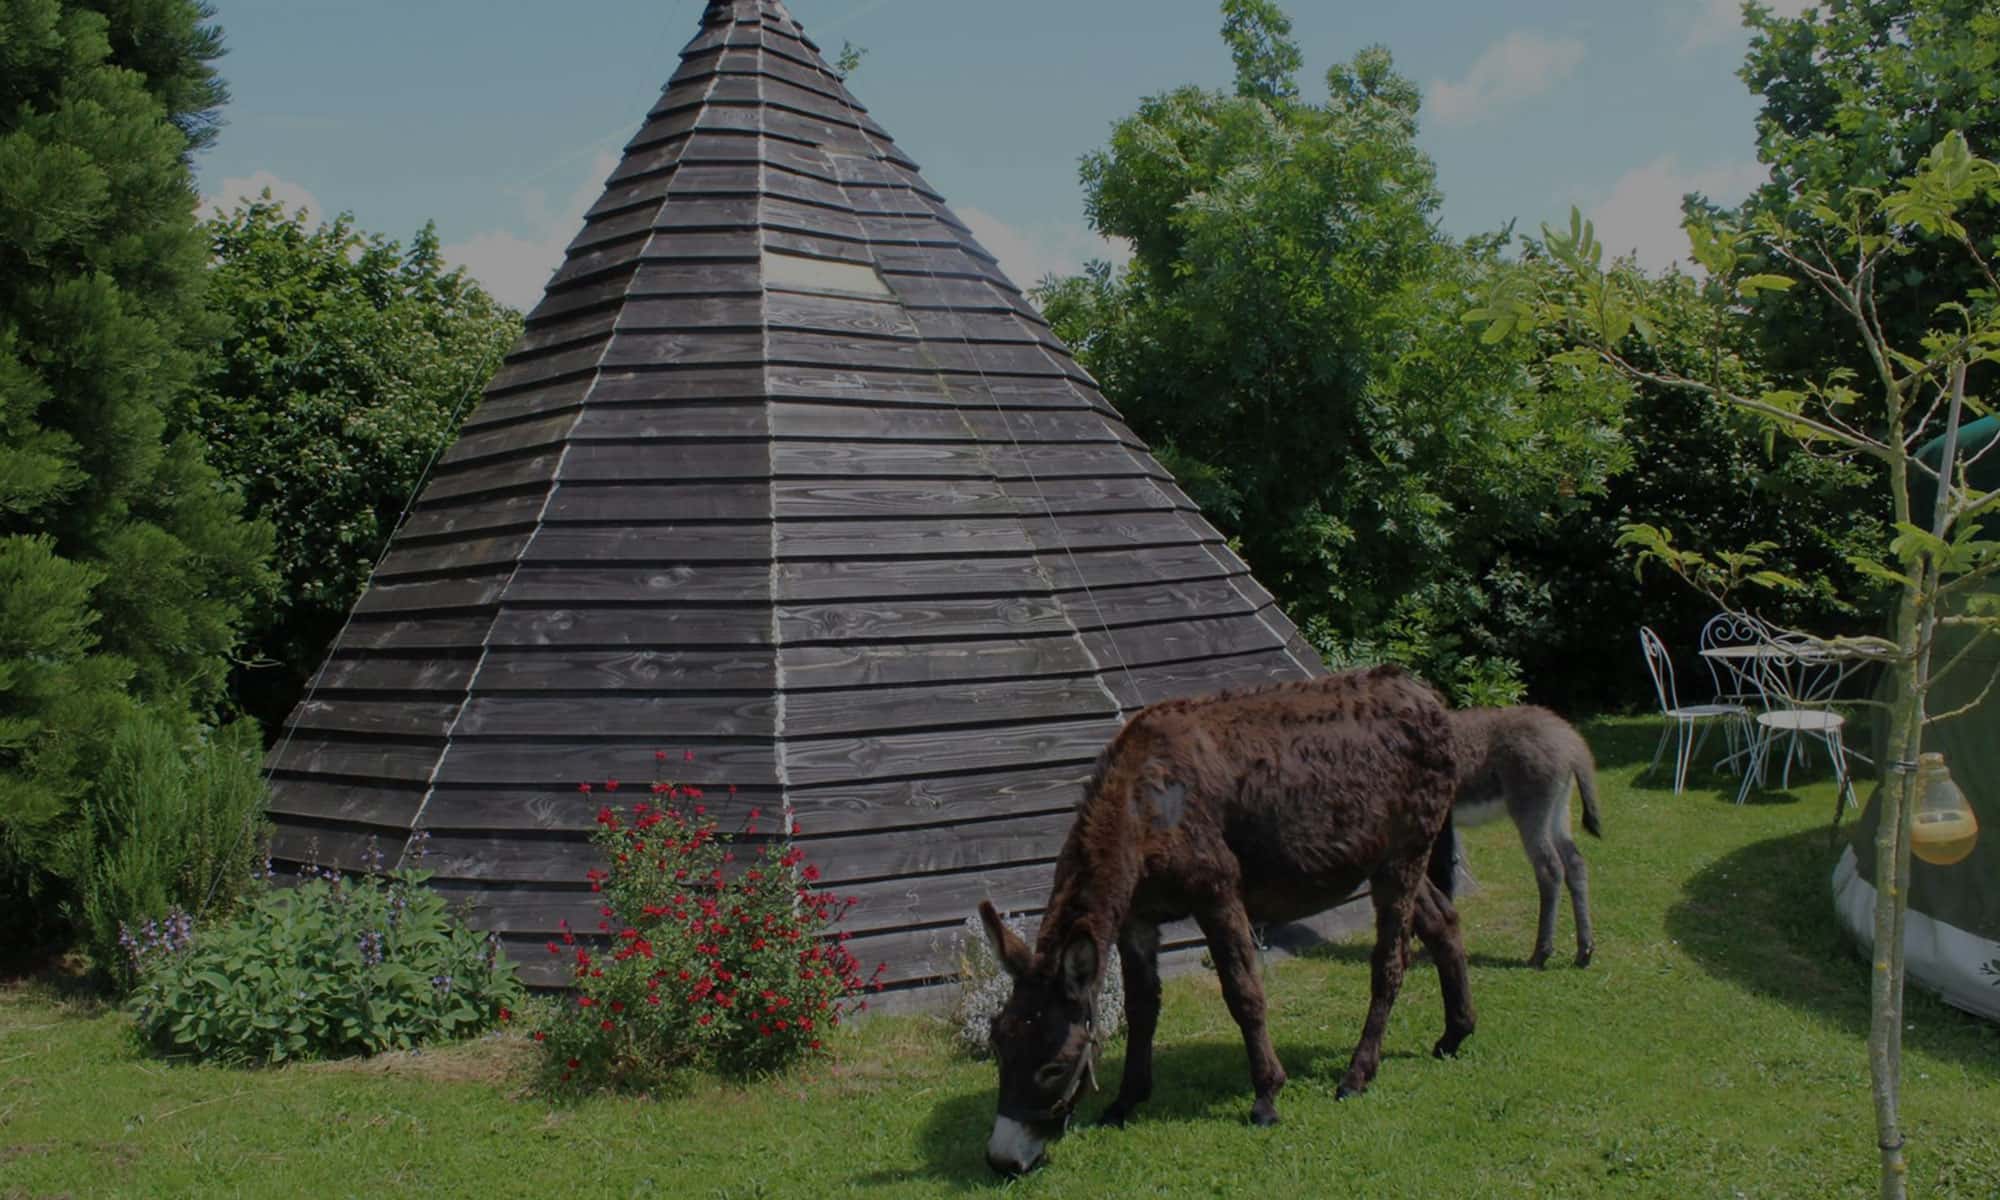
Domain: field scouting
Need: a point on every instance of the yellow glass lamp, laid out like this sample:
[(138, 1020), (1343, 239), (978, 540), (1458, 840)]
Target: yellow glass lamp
[(1946, 827)]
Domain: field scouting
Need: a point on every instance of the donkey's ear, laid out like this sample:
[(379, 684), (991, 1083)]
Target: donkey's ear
[(1008, 947), (1079, 965)]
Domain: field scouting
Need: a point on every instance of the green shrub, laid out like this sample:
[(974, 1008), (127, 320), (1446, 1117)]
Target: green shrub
[(703, 965), (333, 967), (172, 826)]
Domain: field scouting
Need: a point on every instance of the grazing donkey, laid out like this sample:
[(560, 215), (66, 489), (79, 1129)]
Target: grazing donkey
[(1239, 808), (1520, 761)]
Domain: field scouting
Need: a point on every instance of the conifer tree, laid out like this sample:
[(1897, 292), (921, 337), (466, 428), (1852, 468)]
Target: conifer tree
[(126, 564)]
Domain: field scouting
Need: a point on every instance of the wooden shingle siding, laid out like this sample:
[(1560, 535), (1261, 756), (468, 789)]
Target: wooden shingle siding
[(861, 537)]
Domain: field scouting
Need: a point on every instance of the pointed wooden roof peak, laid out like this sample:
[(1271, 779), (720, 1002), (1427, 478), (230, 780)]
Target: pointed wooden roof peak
[(785, 473)]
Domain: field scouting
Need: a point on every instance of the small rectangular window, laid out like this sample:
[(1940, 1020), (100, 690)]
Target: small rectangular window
[(797, 273)]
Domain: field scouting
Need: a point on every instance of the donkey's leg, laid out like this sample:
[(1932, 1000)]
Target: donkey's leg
[(1394, 890), (1548, 867), (1234, 949), (1139, 962), (1437, 924), (1577, 876)]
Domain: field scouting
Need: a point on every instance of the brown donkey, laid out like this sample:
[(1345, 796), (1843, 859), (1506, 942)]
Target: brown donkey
[(1240, 808)]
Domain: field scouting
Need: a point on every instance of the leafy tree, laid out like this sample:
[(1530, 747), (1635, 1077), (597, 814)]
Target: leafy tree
[(1842, 243), (346, 363), (1701, 472), (1287, 335), (1855, 94), (125, 561)]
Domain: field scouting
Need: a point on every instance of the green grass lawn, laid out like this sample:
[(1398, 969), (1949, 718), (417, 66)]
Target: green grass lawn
[(1716, 1048)]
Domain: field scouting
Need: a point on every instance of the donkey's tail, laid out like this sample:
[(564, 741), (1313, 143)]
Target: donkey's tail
[(1443, 866), (1586, 786)]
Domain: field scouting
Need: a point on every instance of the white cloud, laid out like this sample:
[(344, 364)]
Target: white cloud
[(1720, 22), (234, 192), (1516, 67), (1642, 214), (1028, 254), (515, 264)]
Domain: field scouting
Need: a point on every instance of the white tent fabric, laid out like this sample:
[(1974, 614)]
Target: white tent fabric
[(1957, 965)]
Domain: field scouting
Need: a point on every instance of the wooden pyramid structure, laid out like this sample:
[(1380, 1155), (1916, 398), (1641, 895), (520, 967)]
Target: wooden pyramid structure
[(784, 475)]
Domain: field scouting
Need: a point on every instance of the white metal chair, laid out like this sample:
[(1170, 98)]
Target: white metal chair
[(1799, 681), (1728, 644), (1682, 719)]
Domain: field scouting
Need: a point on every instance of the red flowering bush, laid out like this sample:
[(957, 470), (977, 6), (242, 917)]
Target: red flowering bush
[(700, 961)]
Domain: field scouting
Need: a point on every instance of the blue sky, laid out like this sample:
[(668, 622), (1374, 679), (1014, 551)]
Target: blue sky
[(499, 119)]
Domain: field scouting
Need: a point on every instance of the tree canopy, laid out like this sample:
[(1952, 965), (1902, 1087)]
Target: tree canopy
[(344, 365), (1288, 336)]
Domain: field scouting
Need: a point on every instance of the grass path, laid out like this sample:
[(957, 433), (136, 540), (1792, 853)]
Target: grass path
[(1716, 1048)]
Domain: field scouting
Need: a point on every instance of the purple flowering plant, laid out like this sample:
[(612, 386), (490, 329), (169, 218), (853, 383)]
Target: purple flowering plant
[(337, 965)]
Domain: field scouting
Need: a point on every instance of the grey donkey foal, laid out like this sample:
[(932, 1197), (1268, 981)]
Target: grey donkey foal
[(1521, 761)]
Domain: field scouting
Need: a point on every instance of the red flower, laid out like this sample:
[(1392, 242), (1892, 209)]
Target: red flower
[(540, 1036), (611, 785), (688, 757), (584, 788), (606, 1024), (573, 1064), (505, 1015), (617, 1006), (705, 1018)]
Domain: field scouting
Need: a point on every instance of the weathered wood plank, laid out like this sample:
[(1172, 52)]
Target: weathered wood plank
[(1151, 603), (702, 348), (473, 554), (403, 717), (838, 316), (471, 516), (511, 811), (682, 312), (354, 803), (434, 595), (650, 385), (814, 667), (799, 500), (405, 674), (665, 719), (446, 631), (592, 462), (1145, 685), (1114, 567), (833, 760), (669, 628), (672, 419), (1063, 496), (899, 620), (815, 714), (939, 536), (376, 761), (486, 478), (518, 762), (670, 278), (571, 584), (750, 669), (867, 805), (810, 580), (664, 544), (1180, 641), (937, 461), (578, 500)]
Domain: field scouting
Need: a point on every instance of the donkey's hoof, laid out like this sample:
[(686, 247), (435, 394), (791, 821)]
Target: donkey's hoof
[(1264, 1114), (1539, 959), (1115, 1116), (1347, 1091), (1583, 954)]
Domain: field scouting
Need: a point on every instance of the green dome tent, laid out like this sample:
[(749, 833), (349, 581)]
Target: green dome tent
[(1952, 939)]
